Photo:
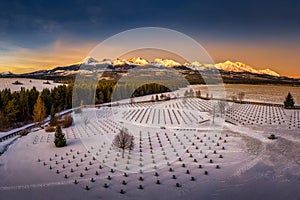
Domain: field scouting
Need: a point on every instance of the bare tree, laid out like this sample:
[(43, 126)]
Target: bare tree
[(213, 112), (131, 100), (198, 94), (191, 93), (123, 140), (86, 120), (186, 94), (241, 96), (222, 106)]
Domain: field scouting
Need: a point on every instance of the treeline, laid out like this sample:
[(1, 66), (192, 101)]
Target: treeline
[(89, 93), (148, 89), (107, 91), (126, 91), (16, 108)]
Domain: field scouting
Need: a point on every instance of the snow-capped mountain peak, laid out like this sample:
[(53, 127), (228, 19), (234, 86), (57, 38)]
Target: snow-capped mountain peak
[(138, 61), (89, 61), (196, 64), (166, 62), (118, 62), (241, 67)]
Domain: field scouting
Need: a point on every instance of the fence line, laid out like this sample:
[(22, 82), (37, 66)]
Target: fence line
[(25, 129)]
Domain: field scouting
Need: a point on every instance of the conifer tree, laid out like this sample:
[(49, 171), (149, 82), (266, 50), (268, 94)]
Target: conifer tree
[(53, 119), (289, 101), (39, 111), (12, 111), (59, 138), (24, 105)]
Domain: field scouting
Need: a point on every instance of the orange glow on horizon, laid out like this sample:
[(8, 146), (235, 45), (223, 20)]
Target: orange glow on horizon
[(61, 53), (279, 58)]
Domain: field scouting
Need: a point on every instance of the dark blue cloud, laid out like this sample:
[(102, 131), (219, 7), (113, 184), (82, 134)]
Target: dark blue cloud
[(32, 24)]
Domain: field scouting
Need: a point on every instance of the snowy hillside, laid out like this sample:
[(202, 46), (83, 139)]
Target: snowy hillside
[(179, 154)]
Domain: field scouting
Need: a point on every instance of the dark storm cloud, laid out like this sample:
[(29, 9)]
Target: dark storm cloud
[(37, 23)]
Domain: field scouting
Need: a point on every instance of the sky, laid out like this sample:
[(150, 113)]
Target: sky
[(36, 34)]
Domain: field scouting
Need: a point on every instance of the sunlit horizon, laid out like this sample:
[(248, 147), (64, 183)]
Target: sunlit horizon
[(24, 60)]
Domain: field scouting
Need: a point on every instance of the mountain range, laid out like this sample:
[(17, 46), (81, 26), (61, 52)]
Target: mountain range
[(232, 72), (228, 66)]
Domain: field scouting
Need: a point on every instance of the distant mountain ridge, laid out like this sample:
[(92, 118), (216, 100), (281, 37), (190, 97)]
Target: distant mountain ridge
[(241, 67), (227, 66), (7, 73), (231, 72)]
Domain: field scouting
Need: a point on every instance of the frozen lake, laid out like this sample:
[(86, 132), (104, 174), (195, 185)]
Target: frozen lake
[(262, 93), (26, 83)]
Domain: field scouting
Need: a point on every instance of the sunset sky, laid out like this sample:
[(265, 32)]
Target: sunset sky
[(38, 35)]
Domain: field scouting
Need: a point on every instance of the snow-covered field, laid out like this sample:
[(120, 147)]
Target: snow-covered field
[(26, 83), (179, 154)]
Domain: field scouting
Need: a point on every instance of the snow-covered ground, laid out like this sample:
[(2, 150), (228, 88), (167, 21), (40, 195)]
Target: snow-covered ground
[(5, 144), (179, 154), (26, 83)]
